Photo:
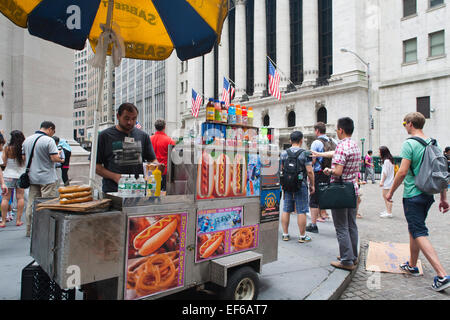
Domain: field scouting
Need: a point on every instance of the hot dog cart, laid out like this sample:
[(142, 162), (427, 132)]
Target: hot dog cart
[(215, 228)]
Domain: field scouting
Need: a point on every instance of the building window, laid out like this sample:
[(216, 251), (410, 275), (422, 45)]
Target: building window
[(410, 50), (266, 120), (434, 3), (423, 106), (250, 17), (437, 43), (325, 40), (291, 119), (409, 7), (295, 7), (322, 115)]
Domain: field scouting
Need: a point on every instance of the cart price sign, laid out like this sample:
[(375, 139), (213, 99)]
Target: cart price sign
[(155, 258)]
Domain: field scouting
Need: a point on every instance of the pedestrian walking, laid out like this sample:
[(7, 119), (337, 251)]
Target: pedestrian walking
[(416, 203), (295, 170), (42, 171), (370, 170), (15, 166), (345, 166), (161, 141), (66, 165), (322, 144), (387, 179)]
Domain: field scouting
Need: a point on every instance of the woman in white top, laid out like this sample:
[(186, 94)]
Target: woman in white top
[(387, 178), (15, 165)]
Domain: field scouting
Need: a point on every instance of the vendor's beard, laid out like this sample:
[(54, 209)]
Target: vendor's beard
[(126, 128)]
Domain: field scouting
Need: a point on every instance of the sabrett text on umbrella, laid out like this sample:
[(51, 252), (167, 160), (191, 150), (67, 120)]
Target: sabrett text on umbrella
[(149, 17), (11, 6)]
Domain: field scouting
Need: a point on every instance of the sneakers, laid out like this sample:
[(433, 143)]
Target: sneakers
[(312, 228), (304, 239), (285, 237), (414, 271), (440, 284), (385, 215)]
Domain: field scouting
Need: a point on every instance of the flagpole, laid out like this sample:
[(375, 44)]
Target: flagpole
[(232, 82), (280, 70)]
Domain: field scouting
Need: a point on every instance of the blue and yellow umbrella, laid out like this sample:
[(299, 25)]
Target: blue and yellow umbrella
[(137, 29), (150, 29)]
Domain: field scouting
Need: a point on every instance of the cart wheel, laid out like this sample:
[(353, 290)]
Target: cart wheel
[(243, 284)]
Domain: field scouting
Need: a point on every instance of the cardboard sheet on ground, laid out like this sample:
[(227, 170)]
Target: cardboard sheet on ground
[(387, 256)]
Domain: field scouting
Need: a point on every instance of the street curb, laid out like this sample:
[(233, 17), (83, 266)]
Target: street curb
[(327, 290)]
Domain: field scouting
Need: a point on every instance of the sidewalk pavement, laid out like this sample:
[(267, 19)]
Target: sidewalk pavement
[(302, 271)]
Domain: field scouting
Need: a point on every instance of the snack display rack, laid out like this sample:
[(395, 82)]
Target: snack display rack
[(151, 247)]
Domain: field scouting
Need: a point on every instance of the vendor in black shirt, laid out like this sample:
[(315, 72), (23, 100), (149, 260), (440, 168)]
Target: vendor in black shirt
[(122, 149)]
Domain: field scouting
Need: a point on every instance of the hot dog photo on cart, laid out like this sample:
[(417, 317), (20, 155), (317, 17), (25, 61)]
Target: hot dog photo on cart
[(155, 254)]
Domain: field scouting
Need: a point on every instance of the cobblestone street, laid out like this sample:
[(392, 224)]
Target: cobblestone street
[(367, 285)]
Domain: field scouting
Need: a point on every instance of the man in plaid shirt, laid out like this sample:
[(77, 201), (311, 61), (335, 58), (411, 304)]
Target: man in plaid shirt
[(346, 166)]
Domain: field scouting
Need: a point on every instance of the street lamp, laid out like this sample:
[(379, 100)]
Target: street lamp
[(369, 110)]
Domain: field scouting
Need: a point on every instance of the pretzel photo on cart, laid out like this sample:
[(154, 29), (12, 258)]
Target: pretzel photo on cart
[(153, 274)]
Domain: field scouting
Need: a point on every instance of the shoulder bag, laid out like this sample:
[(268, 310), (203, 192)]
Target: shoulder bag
[(24, 179), (337, 195)]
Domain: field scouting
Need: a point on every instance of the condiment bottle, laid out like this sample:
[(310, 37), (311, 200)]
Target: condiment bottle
[(210, 110), (224, 113), (244, 116), (250, 116), (157, 174), (217, 111), (238, 114)]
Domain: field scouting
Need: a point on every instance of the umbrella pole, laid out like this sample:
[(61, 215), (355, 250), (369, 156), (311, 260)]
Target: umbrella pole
[(99, 105)]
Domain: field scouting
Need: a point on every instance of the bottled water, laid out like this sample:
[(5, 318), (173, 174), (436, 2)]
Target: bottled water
[(122, 187), (141, 186), (128, 186), (150, 186), (134, 185)]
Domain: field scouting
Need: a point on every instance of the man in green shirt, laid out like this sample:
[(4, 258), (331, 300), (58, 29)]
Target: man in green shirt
[(416, 203)]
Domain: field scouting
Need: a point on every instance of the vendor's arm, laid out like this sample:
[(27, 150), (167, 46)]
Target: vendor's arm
[(107, 174)]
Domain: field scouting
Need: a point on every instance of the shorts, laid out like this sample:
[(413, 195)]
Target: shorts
[(319, 178), (416, 211), (11, 183), (297, 200)]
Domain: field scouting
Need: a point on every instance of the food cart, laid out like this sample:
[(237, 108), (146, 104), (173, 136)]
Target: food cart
[(215, 228)]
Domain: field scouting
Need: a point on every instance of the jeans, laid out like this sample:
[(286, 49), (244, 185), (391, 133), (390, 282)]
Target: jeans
[(347, 234), (370, 173)]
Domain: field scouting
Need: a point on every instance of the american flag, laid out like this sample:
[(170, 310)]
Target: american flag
[(138, 125), (196, 103), (232, 92), (274, 82), (226, 92)]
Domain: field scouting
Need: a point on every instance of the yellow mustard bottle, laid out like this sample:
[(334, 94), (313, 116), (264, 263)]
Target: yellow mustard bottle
[(157, 174)]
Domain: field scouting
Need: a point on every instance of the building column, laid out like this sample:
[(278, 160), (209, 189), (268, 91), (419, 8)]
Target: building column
[(260, 49), (224, 57), (209, 74), (283, 43), (240, 64), (310, 42)]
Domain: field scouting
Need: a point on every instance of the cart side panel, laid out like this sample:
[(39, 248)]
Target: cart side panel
[(268, 241)]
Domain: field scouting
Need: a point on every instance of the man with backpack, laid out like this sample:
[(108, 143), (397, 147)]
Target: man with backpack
[(424, 172), (322, 144), (295, 169)]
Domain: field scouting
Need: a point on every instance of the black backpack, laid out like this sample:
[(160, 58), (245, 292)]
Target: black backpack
[(328, 145), (292, 175)]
